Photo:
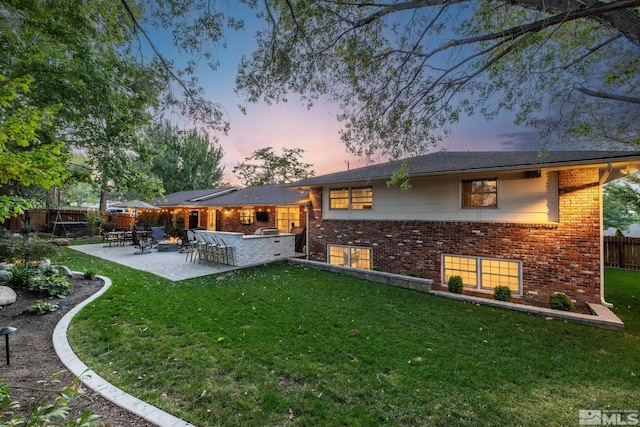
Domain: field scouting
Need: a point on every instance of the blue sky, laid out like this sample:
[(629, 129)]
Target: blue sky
[(291, 125)]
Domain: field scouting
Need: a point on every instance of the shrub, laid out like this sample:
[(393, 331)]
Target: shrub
[(45, 412), (455, 284), (89, 274), (108, 227), (21, 275), (94, 221), (502, 293), (26, 249), (55, 284), (42, 307), (559, 301)]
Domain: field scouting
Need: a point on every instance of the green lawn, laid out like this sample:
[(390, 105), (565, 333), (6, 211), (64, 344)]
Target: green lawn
[(258, 346)]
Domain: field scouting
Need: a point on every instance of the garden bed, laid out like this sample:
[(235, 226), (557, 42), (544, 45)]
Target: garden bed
[(33, 361)]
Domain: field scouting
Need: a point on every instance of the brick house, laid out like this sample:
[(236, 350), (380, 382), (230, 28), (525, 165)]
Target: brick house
[(520, 219), (241, 210)]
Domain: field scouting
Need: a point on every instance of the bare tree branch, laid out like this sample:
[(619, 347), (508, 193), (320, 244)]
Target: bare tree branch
[(611, 96)]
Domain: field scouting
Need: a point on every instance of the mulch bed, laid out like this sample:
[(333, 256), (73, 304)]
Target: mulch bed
[(33, 361)]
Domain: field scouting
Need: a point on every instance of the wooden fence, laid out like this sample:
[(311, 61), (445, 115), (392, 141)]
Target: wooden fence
[(43, 219), (622, 252)]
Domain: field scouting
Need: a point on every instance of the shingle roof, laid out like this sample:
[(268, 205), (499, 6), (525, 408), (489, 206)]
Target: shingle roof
[(190, 197), (259, 195), (447, 162)]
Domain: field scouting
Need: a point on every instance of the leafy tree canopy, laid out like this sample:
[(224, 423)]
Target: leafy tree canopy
[(264, 166), (85, 76), (404, 71), (190, 161), (622, 203)]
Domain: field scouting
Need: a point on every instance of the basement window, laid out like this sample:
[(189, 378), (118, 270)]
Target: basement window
[(483, 273), (350, 256)]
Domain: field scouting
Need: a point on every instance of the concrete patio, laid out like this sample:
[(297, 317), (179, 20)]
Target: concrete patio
[(170, 265)]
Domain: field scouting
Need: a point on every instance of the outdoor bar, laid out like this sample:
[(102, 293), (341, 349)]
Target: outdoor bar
[(258, 249)]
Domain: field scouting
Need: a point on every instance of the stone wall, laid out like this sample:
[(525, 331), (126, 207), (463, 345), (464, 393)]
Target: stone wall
[(556, 257)]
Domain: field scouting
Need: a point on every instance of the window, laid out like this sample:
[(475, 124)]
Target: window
[(480, 193), (483, 273), (351, 198), (339, 199), (350, 256), (362, 198), (246, 216), (287, 218)]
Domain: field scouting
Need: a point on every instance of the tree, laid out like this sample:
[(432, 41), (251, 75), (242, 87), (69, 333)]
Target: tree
[(269, 168), (78, 76), (622, 203), (190, 161), (28, 154), (403, 71)]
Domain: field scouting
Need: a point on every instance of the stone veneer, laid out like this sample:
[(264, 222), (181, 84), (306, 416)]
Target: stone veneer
[(556, 257)]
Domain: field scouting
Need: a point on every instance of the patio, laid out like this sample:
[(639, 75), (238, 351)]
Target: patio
[(170, 265)]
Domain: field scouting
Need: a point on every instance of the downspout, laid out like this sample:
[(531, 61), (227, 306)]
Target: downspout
[(603, 179), (306, 237)]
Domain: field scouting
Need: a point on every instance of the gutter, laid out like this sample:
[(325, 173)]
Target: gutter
[(603, 179)]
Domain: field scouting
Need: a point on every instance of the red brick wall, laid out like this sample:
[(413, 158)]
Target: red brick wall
[(562, 257)]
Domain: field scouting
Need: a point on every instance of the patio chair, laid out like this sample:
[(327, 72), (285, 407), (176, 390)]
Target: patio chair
[(157, 235), (224, 252), (141, 244), (201, 247), (211, 249), (189, 244)]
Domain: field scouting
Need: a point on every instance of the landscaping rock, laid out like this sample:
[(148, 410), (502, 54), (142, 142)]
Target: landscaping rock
[(7, 296), (64, 270), (60, 242), (6, 266), (5, 276)]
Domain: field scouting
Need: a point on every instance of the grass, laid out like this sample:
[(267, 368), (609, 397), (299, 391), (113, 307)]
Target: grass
[(284, 344)]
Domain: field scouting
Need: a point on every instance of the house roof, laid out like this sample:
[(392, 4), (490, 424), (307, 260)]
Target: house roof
[(259, 195), (191, 197), (448, 162)]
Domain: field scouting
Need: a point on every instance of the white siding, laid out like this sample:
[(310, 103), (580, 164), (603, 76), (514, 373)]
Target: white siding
[(532, 200)]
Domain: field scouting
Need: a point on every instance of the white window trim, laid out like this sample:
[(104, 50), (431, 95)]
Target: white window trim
[(349, 247), (478, 259)]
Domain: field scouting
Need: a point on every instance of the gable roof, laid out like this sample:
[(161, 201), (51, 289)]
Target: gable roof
[(259, 195), (191, 197), (448, 162)]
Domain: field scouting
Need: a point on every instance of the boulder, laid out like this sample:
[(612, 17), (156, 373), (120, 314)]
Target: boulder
[(6, 266), (64, 270), (7, 296), (5, 276)]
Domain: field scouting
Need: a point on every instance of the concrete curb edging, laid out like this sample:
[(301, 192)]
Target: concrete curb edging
[(97, 383)]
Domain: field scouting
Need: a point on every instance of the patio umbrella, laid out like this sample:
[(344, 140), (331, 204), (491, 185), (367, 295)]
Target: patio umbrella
[(135, 204)]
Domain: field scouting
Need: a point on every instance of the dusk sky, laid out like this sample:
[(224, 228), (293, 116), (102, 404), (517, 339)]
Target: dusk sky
[(291, 125)]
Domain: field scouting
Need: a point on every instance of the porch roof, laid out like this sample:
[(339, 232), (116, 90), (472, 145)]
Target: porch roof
[(259, 195)]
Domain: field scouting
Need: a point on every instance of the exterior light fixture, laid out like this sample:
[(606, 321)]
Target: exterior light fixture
[(6, 331)]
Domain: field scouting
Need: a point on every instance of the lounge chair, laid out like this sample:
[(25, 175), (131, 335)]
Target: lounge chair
[(157, 235), (143, 245)]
